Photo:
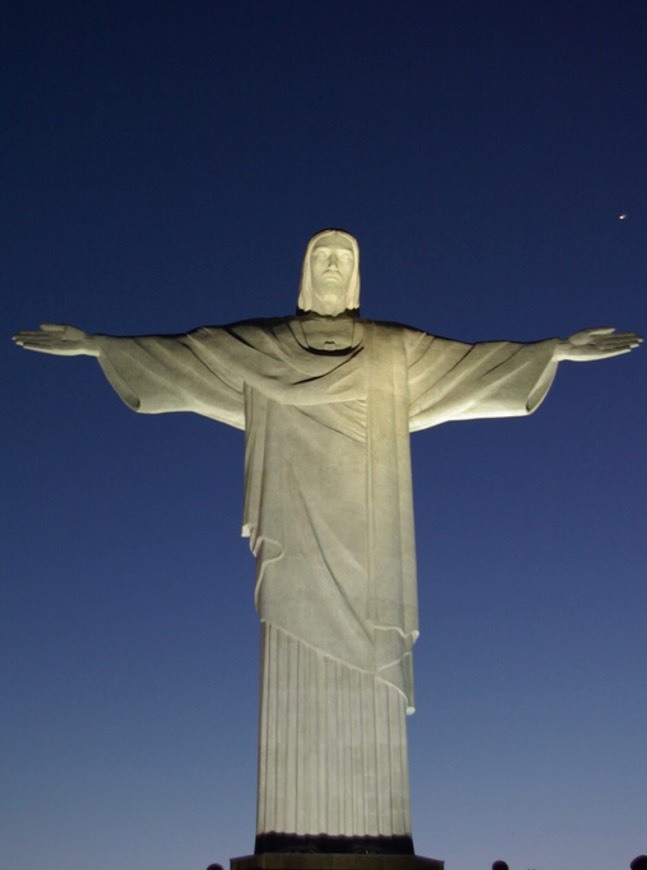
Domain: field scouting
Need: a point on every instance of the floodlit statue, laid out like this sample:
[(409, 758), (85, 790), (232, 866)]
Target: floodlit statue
[(327, 401)]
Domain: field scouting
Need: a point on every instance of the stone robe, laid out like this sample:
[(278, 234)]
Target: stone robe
[(328, 510)]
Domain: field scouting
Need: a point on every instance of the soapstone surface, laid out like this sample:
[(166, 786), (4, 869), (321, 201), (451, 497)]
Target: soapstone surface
[(327, 401)]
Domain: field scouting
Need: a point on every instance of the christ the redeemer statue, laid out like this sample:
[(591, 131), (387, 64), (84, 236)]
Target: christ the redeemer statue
[(327, 401)]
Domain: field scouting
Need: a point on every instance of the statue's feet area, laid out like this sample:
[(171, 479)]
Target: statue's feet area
[(326, 844)]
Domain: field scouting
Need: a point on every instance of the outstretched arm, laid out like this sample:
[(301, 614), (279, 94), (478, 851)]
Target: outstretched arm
[(156, 374), (589, 345), (59, 339)]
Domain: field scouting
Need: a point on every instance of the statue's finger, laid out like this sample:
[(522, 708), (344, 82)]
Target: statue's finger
[(32, 336), (39, 348), (632, 337), (23, 336), (629, 340)]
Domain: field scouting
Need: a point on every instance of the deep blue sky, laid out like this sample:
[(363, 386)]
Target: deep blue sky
[(163, 165)]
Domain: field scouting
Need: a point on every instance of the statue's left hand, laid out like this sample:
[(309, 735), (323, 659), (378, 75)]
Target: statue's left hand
[(59, 339), (591, 344)]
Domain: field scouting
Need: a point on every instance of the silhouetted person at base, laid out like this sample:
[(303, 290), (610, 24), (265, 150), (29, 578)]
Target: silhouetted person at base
[(500, 865), (639, 863)]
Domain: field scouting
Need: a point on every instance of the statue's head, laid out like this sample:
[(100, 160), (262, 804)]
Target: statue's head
[(330, 277)]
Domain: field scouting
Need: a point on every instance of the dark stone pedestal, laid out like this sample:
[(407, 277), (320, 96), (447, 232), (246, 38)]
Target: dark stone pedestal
[(333, 861)]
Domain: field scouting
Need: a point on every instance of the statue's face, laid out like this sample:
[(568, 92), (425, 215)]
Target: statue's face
[(331, 267)]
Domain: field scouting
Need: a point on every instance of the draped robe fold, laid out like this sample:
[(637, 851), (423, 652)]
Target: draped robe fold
[(329, 513)]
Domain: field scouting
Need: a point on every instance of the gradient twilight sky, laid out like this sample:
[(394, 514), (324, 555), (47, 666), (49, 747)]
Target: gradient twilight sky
[(163, 165)]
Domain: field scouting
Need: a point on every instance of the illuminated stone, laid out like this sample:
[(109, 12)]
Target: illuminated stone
[(327, 401)]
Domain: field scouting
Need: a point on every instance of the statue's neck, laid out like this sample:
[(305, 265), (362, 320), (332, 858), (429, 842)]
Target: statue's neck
[(328, 334)]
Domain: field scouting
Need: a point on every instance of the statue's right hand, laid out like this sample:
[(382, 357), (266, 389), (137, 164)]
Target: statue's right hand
[(59, 339)]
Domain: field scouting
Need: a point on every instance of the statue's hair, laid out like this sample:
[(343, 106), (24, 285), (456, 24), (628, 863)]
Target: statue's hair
[(305, 290)]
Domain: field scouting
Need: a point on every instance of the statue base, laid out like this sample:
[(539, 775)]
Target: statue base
[(333, 861)]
